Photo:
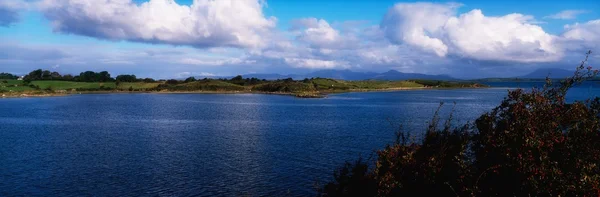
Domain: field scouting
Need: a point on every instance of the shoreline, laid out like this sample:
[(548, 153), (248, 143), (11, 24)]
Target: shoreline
[(321, 94)]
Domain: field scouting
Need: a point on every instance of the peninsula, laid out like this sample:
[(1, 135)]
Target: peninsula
[(47, 83)]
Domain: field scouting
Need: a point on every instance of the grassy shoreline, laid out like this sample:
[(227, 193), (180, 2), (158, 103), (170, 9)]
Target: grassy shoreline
[(320, 94), (307, 88)]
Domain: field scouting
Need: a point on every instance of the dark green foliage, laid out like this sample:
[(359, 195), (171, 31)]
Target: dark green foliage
[(445, 84), (533, 144), (202, 85), (36, 87), (8, 76), (68, 77), (34, 75), (286, 85), (172, 82), (91, 76), (239, 80), (190, 79), (149, 80), (126, 78), (101, 88)]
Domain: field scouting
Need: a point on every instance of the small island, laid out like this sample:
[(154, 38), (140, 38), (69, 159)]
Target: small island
[(40, 83)]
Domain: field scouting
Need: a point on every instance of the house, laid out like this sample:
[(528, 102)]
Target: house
[(21, 78)]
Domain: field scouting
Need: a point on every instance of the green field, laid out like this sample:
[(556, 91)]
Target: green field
[(302, 88), (373, 84), (13, 85), (68, 85), (18, 86), (204, 85), (137, 85)]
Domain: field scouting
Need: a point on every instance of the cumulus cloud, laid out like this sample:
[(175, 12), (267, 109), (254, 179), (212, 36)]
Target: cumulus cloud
[(589, 31), (508, 38), (436, 28), (582, 37), (205, 23), (566, 14), (318, 33), (418, 24)]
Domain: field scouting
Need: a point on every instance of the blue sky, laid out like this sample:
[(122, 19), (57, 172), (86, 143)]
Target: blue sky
[(163, 39)]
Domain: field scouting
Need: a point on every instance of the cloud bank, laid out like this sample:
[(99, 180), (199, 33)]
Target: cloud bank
[(228, 36), (437, 28), (205, 23)]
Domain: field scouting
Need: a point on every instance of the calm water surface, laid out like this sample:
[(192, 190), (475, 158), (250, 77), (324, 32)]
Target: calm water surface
[(209, 144)]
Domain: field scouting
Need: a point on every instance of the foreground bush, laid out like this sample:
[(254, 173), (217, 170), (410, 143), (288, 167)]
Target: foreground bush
[(533, 144)]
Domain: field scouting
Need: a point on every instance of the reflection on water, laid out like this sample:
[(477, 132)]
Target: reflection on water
[(207, 145)]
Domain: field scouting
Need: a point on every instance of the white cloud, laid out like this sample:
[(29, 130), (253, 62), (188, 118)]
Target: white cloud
[(436, 28), (205, 74), (318, 33), (214, 62), (566, 14), (314, 63), (589, 31), (205, 23), (418, 24), (506, 38), (582, 37)]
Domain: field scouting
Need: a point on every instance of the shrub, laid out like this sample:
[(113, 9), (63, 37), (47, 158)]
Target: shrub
[(533, 144)]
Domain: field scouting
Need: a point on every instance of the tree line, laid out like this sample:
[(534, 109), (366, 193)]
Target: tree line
[(87, 76), (105, 76)]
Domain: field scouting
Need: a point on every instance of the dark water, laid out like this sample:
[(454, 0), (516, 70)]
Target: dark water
[(208, 144)]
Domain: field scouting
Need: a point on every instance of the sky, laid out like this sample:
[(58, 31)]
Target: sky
[(181, 38)]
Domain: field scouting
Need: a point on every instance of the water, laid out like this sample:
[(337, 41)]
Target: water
[(208, 144)]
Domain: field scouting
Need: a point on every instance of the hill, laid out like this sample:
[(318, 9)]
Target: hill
[(349, 75), (554, 73)]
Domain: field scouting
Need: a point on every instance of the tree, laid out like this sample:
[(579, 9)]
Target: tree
[(89, 76), (55, 76), (172, 82), (237, 78), (126, 78), (190, 79), (8, 76), (104, 76), (148, 80), (46, 75), (34, 75), (68, 77)]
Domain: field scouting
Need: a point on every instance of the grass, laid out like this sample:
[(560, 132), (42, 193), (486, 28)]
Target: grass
[(373, 84), (305, 88), (67, 85), (13, 85), (137, 85), (206, 85)]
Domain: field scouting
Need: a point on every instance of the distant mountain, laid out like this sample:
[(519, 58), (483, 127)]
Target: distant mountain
[(395, 75), (342, 74), (268, 76), (554, 73), (351, 75)]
